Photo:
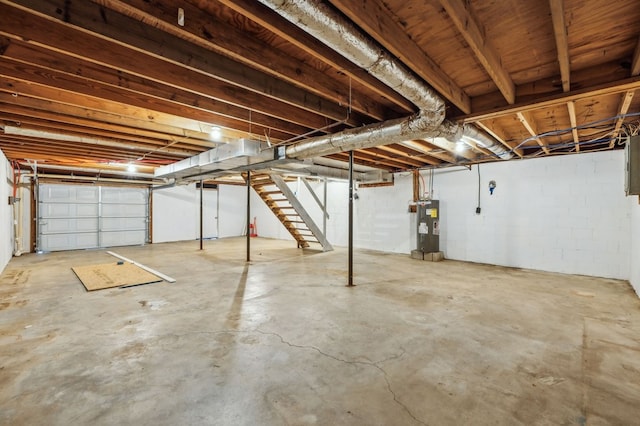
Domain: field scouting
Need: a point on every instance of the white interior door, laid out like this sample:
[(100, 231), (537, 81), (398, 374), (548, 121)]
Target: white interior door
[(72, 217), (210, 214)]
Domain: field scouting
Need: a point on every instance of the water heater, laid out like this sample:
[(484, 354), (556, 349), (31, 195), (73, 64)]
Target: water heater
[(428, 223)]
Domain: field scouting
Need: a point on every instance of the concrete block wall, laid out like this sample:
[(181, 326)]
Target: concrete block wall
[(6, 212), (564, 214)]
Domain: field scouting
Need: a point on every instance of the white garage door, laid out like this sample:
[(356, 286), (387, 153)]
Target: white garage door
[(89, 216)]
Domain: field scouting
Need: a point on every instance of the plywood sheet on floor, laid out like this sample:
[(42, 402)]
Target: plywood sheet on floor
[(116, 274)]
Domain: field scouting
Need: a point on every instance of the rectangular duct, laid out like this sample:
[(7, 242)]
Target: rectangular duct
[(234, 155)]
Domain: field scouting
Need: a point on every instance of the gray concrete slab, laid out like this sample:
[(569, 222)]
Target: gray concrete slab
[(283, 341)]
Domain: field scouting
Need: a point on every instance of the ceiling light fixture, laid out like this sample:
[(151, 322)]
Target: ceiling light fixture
[(460, 146), (216, 132), (131, 168)]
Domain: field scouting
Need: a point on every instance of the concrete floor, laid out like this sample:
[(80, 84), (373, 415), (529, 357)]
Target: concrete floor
[(283, 341)]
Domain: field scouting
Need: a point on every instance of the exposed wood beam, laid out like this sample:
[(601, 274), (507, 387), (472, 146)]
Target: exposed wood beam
[(571, 106), (529, 124), (441, 143), (145, 41), (61, 149), (429, 150), (465, 22), (619, 86), (635, 62), (278, 25), (185, 129), (397, 154), (407, 151), (21, 113), (625, 103), (212, 33), (344, 156), (39, 82), (378, 156), (377, 21), (492, 131), (37, 131), (56, 125), (562, 44), (74, 67)]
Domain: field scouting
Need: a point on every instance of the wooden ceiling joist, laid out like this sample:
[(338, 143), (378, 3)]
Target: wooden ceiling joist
[(623, 109), (90, 35), (377, 21), (562, 44), (209, 32), (618, 86), (571, 106), (72, 68), (492, 130), (294, 35), (635, 61), (406, 151), (529, 124), (465, 22)]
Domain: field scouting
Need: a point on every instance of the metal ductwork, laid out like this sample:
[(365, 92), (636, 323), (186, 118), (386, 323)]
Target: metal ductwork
[(317, 19), (486, 141), (392, 131)]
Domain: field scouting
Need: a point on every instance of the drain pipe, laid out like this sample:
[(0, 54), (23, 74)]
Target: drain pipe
[(331, 28)]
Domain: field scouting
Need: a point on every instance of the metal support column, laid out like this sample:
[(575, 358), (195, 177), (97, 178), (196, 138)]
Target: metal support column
[(248, 215), (201, 212), (350, 275), (324, 204)]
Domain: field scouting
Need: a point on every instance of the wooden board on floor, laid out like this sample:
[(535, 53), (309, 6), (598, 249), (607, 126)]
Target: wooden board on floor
[(116, 274)]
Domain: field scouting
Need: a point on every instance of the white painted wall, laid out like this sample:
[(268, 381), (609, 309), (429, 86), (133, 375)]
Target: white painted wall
[(176, 212), (337, 204), (563, 214), (634, 253), (232, 210), (6, 212)]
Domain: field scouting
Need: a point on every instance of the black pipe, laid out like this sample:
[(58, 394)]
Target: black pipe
[(350, 275), (248, 215), (201, 213)]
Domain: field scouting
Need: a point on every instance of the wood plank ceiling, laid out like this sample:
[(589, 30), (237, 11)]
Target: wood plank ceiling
[(105, 83)]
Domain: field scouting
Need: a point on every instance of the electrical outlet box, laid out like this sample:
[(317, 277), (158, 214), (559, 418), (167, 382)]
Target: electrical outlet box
[(478, 210)]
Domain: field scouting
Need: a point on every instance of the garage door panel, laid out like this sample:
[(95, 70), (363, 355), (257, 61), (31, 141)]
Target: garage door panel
[(124, 195), (56, 242), (120, 210), (68, 210), (122, 238), (123, 224), (89, 216), (69, 193), (70, 225)]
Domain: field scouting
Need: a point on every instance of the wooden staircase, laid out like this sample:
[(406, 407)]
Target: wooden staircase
[(277, 195)]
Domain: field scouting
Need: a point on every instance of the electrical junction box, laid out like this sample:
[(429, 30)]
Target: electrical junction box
[(428, 222), (632, 156)]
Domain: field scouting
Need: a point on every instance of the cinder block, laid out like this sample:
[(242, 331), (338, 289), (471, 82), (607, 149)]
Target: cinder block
[(417, 254), (434, 257)]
